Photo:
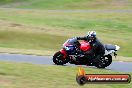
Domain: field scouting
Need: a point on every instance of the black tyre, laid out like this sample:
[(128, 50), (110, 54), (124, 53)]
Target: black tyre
[(108, 60), (59, 59), (104, 61)]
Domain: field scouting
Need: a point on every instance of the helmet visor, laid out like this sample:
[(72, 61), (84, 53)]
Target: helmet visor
[(91, 37)]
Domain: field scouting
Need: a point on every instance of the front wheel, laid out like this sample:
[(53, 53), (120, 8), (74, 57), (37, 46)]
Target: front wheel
[(59, 59)]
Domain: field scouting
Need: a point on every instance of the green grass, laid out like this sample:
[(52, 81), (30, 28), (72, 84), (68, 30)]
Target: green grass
[(48, 30), (68, 4), (14, 75), (40, 41), (8, 1), (5, 2)]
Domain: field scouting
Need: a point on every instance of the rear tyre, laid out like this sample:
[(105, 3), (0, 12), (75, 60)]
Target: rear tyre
[(104, 61), (59, 59), (108, 60)]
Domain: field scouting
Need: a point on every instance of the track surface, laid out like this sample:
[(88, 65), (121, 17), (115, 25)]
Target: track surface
[(80, 11), (47, 60)]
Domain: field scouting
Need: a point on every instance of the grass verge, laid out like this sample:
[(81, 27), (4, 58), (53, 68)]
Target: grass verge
[(14, 75)]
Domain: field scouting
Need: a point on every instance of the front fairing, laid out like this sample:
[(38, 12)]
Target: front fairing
[(70, 49), (69, 46)]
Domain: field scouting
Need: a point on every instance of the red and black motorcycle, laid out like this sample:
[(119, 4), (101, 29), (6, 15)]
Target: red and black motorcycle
[(69, 54)]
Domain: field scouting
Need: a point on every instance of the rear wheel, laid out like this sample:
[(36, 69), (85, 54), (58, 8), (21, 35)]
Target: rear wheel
[(108, 60), (104, 61), (59, 58)]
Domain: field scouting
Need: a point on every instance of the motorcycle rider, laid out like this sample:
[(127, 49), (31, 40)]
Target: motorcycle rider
[(97, 48)]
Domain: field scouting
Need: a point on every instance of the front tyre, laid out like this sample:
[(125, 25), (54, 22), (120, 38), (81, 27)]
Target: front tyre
[(59, 59)]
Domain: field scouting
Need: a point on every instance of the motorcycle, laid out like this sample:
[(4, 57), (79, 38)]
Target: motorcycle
[(69, 54)]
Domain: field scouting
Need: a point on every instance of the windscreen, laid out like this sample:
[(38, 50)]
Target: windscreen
[(70, 41)]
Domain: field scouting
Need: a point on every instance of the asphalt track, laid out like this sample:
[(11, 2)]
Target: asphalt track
[(69, 11), (47, 60)]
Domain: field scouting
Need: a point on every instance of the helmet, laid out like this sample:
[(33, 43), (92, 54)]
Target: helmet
[(91, 35)]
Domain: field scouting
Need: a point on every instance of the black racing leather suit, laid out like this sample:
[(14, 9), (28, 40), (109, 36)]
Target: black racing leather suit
[(97, 48)]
